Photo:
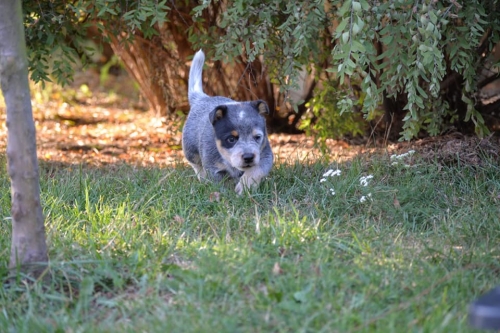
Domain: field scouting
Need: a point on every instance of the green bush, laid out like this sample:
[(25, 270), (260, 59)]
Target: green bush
[(56, 31), (324, 119), (400, 48)]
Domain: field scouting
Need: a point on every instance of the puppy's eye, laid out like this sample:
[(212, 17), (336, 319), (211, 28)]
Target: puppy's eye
[(257, 137), (232, 139)]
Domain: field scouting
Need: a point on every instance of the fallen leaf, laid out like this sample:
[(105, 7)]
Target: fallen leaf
[(214, 196), (179, 219), (316, 269), (263, 289), (277, 269), (396, 203)]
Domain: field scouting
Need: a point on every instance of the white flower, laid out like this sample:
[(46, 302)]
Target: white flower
[(331, 173), (364, 198), (328, 173), (399, 157), (397, 163), (332, 191), (363, 181)]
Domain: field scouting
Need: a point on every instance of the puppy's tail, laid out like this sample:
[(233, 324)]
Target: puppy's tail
[(195, 88)]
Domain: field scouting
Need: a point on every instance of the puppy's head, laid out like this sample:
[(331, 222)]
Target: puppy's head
[(240, 132)]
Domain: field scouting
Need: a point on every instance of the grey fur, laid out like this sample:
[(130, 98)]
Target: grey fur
[(206, 137)]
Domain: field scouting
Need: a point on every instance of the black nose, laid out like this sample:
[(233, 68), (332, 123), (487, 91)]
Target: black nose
[(248, 158)]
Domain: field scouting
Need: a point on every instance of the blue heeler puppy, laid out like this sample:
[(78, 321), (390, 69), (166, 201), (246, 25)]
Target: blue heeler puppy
[(224, 138)]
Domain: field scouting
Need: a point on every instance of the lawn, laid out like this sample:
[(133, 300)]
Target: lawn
[(372, 244)]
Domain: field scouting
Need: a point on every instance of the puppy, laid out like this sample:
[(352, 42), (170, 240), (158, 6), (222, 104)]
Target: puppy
[(225, 138)]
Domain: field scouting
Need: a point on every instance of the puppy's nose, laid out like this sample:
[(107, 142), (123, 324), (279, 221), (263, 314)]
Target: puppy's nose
[(248, 157)]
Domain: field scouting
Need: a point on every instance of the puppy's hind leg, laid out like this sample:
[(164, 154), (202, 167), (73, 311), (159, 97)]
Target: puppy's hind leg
[(200, 172)]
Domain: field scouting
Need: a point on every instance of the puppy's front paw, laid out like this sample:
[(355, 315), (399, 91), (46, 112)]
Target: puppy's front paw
[(239, 188), (250, 179)]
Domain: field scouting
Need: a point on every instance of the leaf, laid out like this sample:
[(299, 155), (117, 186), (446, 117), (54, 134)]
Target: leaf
[(277, 269), (360, 23), (342, 25), (179, 219), (396, 203), (433, 17), (355, 29), (345, 37), (358, 47), (87, 287), (214, 196), (365, 5), (345, 8), (356, 6), (301, 296)]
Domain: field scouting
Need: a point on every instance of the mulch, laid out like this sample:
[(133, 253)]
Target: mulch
[(98, 128)]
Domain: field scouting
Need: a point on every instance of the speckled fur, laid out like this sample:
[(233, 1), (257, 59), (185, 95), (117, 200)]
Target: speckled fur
[(225, 138)]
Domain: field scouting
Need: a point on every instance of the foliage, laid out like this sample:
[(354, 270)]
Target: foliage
[(151, 39), (325, 120), (56, 31), (284, 32), (401, 47), (155, 250), (416, 38)]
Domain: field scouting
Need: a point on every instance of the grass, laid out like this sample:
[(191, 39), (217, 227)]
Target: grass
[(154, 250)]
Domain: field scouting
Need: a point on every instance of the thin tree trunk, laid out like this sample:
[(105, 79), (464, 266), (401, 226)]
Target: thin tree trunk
[(28, 232)]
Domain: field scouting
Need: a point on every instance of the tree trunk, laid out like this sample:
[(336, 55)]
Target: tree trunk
[(160, 64), (162, 73), (28, 232)]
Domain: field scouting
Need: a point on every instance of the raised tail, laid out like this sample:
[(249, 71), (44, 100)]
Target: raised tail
[(195, 76)]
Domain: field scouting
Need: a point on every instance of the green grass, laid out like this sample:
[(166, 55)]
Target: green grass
[(153, 250)]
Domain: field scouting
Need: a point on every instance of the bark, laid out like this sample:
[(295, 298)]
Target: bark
[(142, 62), (160, 64), (162, 73), (28, 232)]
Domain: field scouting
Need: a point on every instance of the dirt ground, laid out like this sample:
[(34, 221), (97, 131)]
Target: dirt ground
[(101, 126)]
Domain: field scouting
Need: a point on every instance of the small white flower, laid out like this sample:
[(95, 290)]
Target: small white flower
[(363, 181), (399, 157), (364, 198), (332, 191), (328, 173), (331, 173), (397, 163), (336, 173)]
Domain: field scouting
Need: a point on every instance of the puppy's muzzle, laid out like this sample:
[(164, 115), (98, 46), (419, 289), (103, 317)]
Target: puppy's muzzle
[(248, 159)]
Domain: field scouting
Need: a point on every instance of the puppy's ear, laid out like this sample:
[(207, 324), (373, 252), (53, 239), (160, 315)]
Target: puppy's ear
[(261, 107), (217, 114)]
